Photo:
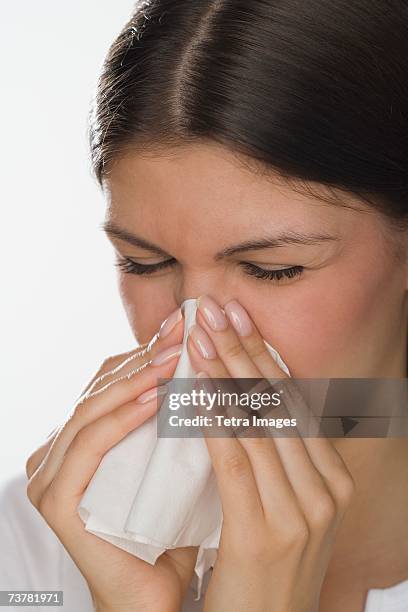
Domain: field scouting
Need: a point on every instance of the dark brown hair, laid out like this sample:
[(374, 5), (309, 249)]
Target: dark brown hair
[(315, 91)]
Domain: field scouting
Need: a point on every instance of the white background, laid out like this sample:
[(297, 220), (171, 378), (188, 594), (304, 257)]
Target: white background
[(61, 313)]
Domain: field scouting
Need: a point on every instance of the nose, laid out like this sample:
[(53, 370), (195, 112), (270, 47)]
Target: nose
[(192, 286)]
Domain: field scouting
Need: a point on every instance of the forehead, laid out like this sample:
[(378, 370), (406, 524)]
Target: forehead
[(207, 184)]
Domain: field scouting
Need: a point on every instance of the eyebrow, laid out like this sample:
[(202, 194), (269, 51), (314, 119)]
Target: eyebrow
[(272, 242)]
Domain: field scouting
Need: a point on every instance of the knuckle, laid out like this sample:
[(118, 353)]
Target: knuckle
[(95, 438), (44, 504), (101, 380), (234, 350), (108, 363), (256, 350), (32, 491), (261, 448), (143, 346), (138, 368), (108, 367), (126, 361), (144, 349), (37, 457), (79, 409), (111, 367), (104, 367), (259, 444), (235, 464), (151, 344), (83, 439), (47, 503), (345, 488), (323, 511), (295, 536)]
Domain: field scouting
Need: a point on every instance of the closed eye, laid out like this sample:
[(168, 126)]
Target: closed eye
[(128, 266), (132, 267), (274, 275)]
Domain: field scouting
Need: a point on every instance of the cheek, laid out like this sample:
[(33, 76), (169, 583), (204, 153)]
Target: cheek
[(146, 306), (329, 324)]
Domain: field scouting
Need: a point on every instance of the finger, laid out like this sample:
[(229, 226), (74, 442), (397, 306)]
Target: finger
[(322, 500), (334, 472), (111, 363), (87, 449), (36, 458), (196, 350), (252, 340), (218, 342), (234, 475), (275, 491), (289, 485), (301, 473), (233, 342), (287, 481), (114, 394), (236, 339), (217, 371), (282, 507), (215, 368), (334, 475), (254, 404), (170, 333), (323, 453), (120, 365)]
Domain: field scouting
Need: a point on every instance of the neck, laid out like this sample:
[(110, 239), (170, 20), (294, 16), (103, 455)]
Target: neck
[(371, 547)]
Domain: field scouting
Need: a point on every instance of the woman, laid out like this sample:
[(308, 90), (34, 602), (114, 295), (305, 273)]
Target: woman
[(253, 154)]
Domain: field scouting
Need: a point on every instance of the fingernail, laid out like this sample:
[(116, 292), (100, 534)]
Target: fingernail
[(166, 354), (170, 323), (239, 318), (202, 342), (208, 385), (147, 396), (212, 312)]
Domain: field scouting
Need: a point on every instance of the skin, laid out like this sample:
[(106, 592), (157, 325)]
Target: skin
[(353, 295), (194, 203), (59, 471)]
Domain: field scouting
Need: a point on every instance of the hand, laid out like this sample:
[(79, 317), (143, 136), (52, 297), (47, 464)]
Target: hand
[(60, 470), (282, 498)]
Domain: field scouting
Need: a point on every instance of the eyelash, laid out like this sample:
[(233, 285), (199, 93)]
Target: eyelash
[(131, 267)]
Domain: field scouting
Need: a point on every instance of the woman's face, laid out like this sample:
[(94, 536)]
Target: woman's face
[(344, 315)]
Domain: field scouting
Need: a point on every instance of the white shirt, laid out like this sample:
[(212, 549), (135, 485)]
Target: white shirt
[(33, 558)]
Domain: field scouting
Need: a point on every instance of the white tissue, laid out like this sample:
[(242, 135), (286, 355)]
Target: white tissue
[(151, 494)]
